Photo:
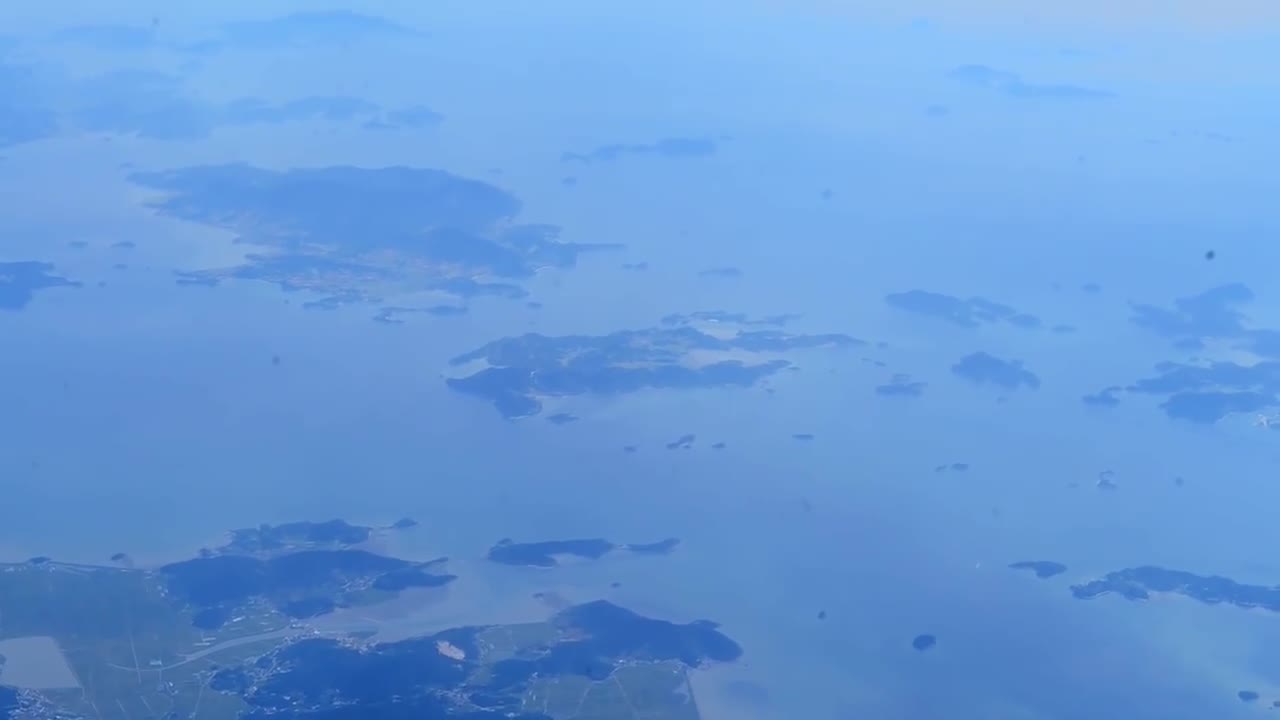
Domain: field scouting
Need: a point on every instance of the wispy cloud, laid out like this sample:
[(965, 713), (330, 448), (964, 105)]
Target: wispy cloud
[(667, 147), (308, 29), (1137, 16), (313, 28), (966, 312), (37, 104), (1014, 85)]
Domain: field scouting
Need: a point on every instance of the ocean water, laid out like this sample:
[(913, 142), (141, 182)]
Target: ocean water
[(149, 418)]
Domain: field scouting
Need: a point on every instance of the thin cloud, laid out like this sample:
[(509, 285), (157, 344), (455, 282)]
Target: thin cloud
[(1015, 86), (1137, 16), (675, 147)]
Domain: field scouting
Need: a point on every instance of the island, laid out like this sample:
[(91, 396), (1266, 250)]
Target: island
[(519, 374), (596, 653), (981, 368), (239, 631), (684, 442), (265, 538), (298, 570), (547, 554), (358, 235), (923, 642), (1207, 390), (1140, 583), (20, 281), (394, 315), (1043, 569)]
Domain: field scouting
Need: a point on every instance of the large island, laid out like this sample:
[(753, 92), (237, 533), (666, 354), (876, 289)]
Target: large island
[(700, 350), (233, 633), (19, 282), (350, 234)]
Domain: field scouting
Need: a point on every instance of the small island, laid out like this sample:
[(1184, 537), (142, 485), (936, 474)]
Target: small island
[(684, 442), (1195, 390), (546, 554), (1042, 569), (310, 535), (921, 643), (981, 368), (1140, 583), (518, 374), (300, 570)]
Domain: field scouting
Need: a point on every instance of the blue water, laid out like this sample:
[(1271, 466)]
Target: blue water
[(148, 418)]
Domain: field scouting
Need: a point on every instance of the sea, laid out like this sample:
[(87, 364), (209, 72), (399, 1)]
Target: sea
[(140, 416)]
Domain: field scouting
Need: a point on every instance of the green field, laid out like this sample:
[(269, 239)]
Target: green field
[(128, 645), (643, 691)]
